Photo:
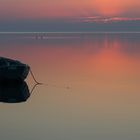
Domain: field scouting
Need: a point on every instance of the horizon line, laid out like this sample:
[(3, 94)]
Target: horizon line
[(110, 32)]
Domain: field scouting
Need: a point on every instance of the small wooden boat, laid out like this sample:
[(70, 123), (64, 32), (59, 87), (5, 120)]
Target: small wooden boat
[(13, 70)]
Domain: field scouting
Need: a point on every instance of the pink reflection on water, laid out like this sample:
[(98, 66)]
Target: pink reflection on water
[(103, 75)]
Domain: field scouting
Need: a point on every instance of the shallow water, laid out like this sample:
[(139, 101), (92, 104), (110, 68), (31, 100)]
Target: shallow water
[(91, 87)]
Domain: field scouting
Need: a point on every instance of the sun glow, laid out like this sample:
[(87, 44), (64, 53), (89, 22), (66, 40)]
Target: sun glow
[(108, 8), (113, 8)]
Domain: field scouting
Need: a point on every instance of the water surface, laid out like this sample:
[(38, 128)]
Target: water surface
[(91, 87)]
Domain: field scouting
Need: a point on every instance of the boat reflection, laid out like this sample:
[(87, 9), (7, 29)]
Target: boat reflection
[(14, 92)]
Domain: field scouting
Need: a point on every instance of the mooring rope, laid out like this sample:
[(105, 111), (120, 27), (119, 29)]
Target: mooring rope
[(38, 83), (52, 85)]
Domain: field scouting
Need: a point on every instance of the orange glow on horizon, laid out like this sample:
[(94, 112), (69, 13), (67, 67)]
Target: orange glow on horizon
[(114, 8), (108, 8)]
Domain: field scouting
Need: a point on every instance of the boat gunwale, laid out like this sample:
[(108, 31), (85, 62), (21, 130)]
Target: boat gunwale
[(22, 65)]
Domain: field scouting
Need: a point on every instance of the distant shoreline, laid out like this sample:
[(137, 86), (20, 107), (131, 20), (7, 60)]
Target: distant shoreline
[(70, 32)]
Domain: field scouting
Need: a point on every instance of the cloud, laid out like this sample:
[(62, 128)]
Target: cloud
[(99, 19)]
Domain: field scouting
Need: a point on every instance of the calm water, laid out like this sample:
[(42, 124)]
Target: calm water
[(91, 87)]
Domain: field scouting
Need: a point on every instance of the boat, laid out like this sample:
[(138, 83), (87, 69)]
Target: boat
[(13, 70)]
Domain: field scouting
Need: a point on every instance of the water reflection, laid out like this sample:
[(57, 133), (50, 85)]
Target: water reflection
[(14, 92), (103, 72)]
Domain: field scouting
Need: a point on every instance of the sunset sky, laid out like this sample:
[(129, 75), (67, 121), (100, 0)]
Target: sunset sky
[(14, 13)]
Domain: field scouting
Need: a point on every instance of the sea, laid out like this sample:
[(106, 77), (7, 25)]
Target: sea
[(90, 86)]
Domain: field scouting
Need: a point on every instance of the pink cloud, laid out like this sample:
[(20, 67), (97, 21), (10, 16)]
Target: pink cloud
[(98, 19)]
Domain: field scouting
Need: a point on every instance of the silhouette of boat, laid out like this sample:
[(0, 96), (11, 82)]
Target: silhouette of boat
[(14, 92), (13, 70)]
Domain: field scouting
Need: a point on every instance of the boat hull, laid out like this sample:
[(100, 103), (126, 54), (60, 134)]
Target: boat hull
[(14, 72)]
